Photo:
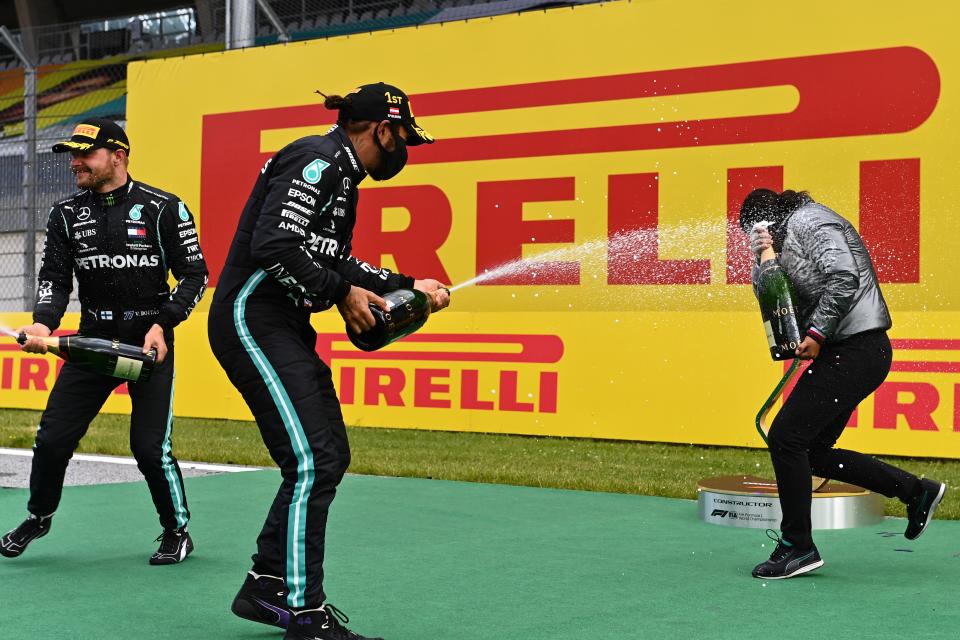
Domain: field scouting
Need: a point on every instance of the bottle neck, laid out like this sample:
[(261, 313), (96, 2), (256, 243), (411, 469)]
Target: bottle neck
[(53, 345)]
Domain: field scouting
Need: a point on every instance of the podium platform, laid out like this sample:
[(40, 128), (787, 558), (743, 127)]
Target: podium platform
[(753, 502)]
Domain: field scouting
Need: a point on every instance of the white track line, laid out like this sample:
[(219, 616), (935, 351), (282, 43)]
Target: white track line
[(199, 466)]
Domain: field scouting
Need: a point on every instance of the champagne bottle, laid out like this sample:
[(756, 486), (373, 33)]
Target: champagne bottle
[(109, 357), (777, 308), (407, 310)]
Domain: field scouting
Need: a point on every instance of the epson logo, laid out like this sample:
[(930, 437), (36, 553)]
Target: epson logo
[(118, 262), (302, 197)]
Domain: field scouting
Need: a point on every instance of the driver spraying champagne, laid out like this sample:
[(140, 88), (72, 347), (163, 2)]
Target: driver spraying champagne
[(292, 256)]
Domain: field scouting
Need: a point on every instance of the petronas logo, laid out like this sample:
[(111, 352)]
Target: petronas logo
[(135, 211), (184, 214), (311, 172)]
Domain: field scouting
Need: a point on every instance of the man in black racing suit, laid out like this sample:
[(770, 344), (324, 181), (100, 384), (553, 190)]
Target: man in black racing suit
[(291, 256), (120, 237)]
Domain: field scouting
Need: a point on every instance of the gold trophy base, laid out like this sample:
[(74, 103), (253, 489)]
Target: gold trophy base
[(753, 502)]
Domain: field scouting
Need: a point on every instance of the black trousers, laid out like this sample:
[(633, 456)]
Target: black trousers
[(76, 398), (802, 436), (271, 359)]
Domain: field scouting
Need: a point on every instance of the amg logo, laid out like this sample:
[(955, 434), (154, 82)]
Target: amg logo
[(118, 262)]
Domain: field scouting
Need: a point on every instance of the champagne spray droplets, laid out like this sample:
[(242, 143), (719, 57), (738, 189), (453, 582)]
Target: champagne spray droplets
[(621, 249), (7, 331)]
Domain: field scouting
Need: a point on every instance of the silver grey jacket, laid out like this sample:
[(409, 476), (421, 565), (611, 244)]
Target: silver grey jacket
[(838, 294)]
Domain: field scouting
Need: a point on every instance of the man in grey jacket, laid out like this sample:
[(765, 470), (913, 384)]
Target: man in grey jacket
[(841, 310)]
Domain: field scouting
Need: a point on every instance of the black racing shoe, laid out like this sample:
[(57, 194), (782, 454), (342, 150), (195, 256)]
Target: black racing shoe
[(16, 541), (175, 546), (325, 623), (263, 599), (920, 509), (787, 561)]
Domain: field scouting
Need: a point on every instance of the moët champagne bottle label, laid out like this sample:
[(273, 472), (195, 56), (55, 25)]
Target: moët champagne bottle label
[(108, 357), (407, 310), (778, 311)]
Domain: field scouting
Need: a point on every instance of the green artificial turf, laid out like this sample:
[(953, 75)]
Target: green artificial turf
[(413, 559), (568, 463)]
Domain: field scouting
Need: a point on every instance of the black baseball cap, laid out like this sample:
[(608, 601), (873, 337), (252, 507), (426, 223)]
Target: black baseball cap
[(380, 101), (95, 133)]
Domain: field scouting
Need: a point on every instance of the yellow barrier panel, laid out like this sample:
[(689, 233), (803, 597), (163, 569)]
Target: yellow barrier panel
[(634, 376), (620, 137)]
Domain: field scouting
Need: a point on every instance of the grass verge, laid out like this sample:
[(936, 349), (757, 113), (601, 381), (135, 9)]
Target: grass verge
[(669, 470)]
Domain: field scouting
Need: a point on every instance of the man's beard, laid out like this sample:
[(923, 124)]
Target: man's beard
[(88, 179)]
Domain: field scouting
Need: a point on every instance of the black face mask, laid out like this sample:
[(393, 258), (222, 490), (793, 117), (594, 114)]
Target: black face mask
[(393, 161)]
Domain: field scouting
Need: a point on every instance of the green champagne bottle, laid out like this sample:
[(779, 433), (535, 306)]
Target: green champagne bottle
[(109, 357), (407, 310), (777, 308)]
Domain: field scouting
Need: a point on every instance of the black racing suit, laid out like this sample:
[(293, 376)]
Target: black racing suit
[(290, 257), (120, 245)]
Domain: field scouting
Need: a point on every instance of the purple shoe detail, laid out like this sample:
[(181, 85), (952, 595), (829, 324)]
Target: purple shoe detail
[(283, 615)]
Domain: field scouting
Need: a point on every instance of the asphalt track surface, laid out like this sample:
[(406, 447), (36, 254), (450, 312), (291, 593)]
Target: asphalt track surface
[(94, 469)]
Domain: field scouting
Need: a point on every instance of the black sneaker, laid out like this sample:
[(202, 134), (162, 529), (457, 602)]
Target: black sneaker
[(263, 599), (175, 546), (787, 561), (325, 623), (920, 509), (16, 541)]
